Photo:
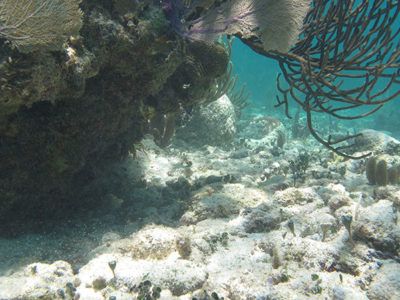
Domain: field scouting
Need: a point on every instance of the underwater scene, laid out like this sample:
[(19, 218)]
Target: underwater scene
[(199, 149)]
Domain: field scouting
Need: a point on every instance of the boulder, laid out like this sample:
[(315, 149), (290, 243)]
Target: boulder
[(212, 124)]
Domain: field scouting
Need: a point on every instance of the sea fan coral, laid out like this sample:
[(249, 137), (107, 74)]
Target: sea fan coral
[(274, 25), (35, 24)]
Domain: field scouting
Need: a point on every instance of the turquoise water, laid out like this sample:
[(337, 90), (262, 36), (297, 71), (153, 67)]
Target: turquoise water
[(259, 74)]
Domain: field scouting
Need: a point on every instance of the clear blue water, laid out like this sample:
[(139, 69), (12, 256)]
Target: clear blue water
[(259, 73)]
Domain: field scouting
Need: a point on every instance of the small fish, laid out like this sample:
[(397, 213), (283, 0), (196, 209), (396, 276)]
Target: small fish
[(291, 227)]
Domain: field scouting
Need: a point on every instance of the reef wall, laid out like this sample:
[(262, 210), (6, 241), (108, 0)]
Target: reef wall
[(66, 113)]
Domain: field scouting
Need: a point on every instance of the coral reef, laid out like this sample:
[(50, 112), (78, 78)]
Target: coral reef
[(228, 229), (65, 114), (249, 212)]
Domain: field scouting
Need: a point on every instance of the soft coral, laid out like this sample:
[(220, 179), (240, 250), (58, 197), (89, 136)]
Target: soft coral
[(263, 24)]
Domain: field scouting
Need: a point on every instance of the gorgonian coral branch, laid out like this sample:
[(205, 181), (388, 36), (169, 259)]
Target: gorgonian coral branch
[(345, 64)]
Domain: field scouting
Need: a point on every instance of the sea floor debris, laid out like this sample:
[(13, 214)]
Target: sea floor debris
[(216, 222)]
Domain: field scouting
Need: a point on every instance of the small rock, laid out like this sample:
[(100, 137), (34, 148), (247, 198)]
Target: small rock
[(260, 126), (238, 154), (372, 140), (110, 237), (99, 283), (386, 284), (377, 224), (337, 201), (263, 218), (292, 196), (155, 242), (346, 293)]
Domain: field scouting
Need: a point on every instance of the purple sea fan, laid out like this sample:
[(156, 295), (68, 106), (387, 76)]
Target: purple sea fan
[(263, 24)]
